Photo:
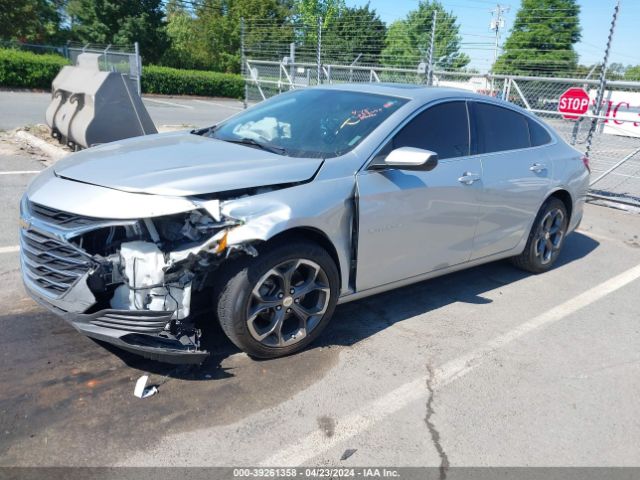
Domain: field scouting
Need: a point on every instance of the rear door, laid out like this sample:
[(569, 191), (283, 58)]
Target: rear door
[(516, 175), (414, 222)]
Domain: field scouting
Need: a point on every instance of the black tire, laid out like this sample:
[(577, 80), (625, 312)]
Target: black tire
[(235, 296), (532, 259)]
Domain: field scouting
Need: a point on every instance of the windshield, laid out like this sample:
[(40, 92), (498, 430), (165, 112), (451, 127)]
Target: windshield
[(309, 123)]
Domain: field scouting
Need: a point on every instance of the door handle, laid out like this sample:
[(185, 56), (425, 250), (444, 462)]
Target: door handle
[(468, 178), (538, 167)]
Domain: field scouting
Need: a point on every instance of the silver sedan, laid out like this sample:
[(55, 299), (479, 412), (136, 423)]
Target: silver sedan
[(265, 222)]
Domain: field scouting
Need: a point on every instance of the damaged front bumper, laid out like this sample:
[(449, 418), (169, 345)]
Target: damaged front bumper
[(147, 319), (132, 282), (142, 332)]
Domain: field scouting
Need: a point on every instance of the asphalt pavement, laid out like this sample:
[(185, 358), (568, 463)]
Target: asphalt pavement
[(21, 108), (490, 366)]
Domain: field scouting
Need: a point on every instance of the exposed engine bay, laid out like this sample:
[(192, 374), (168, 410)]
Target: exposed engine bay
[(159, 264)]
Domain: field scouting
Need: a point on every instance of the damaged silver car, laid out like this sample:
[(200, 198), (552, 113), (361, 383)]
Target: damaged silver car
[(266, 221)]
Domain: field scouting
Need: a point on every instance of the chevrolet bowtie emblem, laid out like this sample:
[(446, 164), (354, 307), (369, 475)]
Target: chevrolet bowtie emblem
[(24, 223)]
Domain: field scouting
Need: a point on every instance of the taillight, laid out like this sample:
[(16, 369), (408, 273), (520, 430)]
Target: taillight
[(585, 160)]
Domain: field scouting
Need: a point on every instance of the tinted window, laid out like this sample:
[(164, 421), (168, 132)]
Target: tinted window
[(443, 129), (539, 136), (500, 129)]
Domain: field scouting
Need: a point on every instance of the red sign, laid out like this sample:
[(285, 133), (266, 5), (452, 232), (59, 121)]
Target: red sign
[(573, 103)]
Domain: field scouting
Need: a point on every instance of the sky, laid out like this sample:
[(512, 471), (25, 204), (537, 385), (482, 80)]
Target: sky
[(474, 16)]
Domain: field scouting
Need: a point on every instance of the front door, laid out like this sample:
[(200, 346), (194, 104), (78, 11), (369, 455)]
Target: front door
[(414, 222)]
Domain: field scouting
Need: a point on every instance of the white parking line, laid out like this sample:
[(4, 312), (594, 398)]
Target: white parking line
[(616, 174), (20, 172), (164, 102), (317, 443), (11, 249), (207, 102)]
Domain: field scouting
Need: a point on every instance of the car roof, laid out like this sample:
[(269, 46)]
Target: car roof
[(405, 90), (421, 93)]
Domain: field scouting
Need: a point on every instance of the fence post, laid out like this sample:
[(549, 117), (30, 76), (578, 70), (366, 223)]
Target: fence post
[(602, 81), (136, 47), (243, 64), (431, 44), (319, 51), (292, 56), (106, 61)]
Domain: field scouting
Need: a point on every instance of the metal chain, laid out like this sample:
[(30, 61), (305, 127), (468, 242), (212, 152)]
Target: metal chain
[(602, 81)]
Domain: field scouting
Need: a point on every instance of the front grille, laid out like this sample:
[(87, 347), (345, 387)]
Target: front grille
[(52, 264), (140, 321), (58, 217)]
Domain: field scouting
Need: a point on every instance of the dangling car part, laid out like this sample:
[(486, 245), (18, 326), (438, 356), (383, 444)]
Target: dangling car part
[(267, 221)]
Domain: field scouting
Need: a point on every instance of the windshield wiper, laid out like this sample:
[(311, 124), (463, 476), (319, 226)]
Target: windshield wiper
[(204, 131), (254, 143)]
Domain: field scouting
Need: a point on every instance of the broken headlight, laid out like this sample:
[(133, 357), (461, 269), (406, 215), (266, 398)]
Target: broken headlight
[(195, 226)]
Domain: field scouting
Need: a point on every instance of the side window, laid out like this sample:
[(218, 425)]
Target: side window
[(539, 136), (443, 129), (500, 129)]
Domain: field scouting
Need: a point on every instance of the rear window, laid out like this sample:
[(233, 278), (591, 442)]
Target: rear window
[(499, 129), (539, 136)]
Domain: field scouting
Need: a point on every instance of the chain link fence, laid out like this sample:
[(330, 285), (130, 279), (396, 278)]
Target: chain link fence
[(113, 58)]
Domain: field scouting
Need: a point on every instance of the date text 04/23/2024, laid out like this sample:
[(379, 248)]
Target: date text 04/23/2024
[(316, 472)]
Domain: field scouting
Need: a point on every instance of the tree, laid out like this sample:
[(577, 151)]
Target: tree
[(308, 11), (30, 20), (354, 31), (632, 73), (120, 23), (542, 39), (407, 42), (267, 30), (183, 51), (616, 69)]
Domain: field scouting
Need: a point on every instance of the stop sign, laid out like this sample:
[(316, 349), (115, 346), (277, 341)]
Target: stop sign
[(573, 103)]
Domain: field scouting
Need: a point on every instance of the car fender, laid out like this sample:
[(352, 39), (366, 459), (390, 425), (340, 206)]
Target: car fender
[(322, 205)]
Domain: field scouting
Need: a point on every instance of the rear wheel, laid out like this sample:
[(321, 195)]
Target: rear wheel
[(279, 302), (545, 239)]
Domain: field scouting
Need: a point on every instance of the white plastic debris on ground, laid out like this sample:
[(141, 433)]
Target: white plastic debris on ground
[(141, 390)]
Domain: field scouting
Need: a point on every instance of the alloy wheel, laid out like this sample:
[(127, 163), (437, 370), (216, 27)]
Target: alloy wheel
[(550, 236), (288, 302)]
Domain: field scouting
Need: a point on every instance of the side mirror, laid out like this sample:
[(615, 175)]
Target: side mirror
[(409, 158)]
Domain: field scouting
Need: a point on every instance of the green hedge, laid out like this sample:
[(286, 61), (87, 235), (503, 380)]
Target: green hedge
[(19, 69), (172, 81), (29, 70)]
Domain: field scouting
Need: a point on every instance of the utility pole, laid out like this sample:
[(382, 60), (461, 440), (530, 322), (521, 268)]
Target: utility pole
[(497, 24)]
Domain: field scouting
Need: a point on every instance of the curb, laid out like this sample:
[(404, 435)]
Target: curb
[(53, 152)]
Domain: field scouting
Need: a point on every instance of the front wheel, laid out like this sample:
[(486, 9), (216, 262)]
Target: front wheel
[(279, 302), (545, 239)]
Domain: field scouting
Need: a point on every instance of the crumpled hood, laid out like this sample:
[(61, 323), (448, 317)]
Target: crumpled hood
[(182, 164)]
